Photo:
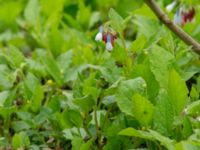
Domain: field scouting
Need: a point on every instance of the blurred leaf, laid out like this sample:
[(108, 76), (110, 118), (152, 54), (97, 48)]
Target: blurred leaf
[(187, 145), (150, 135), (52, 68), (117, 20), (177, 91), (72, 118), (193, 108), (164, 114), (20, 140), (15, 57), (138, 44), (31, 12), (6, 78), (160, 60), (125, 92), (142, 109), (85, 103), (33, 91), (83, 14)]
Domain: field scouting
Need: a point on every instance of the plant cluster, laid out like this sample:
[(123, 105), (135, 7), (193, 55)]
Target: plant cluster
[(67, 84)]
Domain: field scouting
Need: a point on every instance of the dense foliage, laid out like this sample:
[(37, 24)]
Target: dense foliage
[(61, 89)]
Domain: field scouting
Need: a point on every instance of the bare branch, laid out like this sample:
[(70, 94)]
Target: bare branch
[(172, 26)]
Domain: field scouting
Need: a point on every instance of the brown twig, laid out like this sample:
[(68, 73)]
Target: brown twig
[(173, 27)]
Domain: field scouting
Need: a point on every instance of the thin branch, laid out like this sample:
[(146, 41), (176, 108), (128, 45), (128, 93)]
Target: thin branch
[(172, 26)]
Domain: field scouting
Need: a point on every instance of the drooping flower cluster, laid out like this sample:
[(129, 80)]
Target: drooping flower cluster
[(183, 14), (107, 36)]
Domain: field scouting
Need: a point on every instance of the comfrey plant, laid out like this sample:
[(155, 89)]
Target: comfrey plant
[(107, 35), (183, 14)]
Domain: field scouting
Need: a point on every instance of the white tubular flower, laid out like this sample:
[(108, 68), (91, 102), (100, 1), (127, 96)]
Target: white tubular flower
[(99, 35), (177, 17), (171, 6), (109, 46)]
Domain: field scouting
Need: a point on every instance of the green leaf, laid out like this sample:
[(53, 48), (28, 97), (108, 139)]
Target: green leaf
[(177, 91), (15, 57), (20, 140), (150, 135), (193, 109), (143, 70), (117, 20), (52, 67), (160, 60), (85, 103), (138, 44), (72, 118), (83, 14), (20, 125), (7, 18), (125, 92), (33, 91), (164, 114), (6, 78), (3, 96), (55, 41), (31, 12), (142, 109), (187, 145)]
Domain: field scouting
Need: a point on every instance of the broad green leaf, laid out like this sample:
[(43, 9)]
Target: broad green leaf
[(55, 103), (85, 103), (149, 135), (76, 143), (15, 56), (31, 12), (90, 86), (143, 70), (72, 118), (142, 109), (20, 140), (55, 41), (187, 127), (177, 91), (187, 145), (194, 94), (164, 114), (33, 91), (7, 18), (125, 92), (160, 60), (147, 26), (95, 17), (7, 78), (3, 97), (83, 15), (52, 68), (117, 20), (64, 60), (6, 112), (49, 7), (193, 109), (20, 125), (138, 44)]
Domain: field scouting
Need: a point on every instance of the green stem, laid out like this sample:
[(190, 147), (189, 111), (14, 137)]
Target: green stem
[(127, 58), (96, 121)]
